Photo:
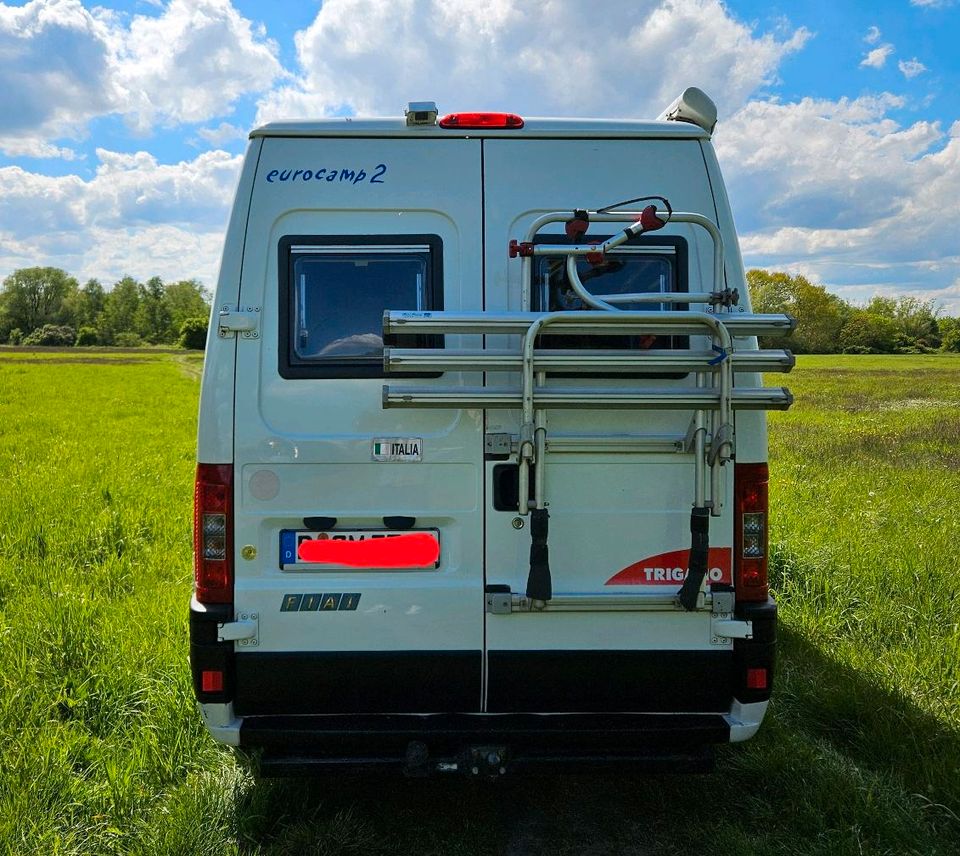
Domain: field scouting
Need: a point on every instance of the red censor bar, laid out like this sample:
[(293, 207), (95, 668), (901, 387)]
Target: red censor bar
[(412, 550)]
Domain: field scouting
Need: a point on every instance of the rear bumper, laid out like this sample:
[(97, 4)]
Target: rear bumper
[(483, 743), (684, 702)]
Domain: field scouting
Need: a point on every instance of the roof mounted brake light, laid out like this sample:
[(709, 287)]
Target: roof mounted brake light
[(481, 120)]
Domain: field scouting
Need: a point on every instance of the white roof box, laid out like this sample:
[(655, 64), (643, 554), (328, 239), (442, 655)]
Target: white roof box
[(694, 106)]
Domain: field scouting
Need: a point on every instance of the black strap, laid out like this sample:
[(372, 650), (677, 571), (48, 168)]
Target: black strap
[(539, 583), (699, 553)]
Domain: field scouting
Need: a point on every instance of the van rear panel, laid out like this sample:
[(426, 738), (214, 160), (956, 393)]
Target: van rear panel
[(381, 555)]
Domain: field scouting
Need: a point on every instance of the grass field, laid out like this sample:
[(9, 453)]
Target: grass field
[(102, 752)]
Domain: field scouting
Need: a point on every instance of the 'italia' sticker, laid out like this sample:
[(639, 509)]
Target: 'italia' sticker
[(671, 569), (398, 449)]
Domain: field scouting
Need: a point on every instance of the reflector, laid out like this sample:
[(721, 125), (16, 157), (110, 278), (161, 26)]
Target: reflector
[(211, 681)]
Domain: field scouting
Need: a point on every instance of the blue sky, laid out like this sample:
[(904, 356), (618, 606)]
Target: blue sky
[(122, 123)]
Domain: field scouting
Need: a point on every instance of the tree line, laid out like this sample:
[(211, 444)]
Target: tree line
[(47, 306), (827, 324)]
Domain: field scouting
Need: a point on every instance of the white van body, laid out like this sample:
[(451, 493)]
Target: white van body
[(450, 662)]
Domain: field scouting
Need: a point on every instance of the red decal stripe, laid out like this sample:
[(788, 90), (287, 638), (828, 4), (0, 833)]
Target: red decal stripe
[(670, 569), (413, 550)]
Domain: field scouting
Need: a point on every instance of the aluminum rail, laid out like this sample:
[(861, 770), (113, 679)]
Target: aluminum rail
[(599, 602), (576, 398), (611, 243), (409, 322), (581, 362)]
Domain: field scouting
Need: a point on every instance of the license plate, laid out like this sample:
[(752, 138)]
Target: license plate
[(360, 549)]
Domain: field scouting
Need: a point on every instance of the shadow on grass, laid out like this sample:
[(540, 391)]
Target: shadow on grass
[(877, 729), (841, 766)]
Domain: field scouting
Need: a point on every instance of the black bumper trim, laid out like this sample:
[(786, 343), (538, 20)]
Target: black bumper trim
[(356, 682), (602, 681), (293, 744)]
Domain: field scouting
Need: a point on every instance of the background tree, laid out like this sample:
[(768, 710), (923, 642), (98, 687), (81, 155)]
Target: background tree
[(33, 297), (949, 329), (185, 299), (915, 321), (152, 321), (120, 307), (868, 332), (820, 315), (83, 307)]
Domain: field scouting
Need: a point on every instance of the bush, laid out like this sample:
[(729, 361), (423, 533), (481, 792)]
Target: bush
[(15, 337), (193, 334), (876, 333), (87, 336), (127, 340), (52, 335)]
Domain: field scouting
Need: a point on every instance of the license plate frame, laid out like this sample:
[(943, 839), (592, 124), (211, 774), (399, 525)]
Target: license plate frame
[(290, 540)]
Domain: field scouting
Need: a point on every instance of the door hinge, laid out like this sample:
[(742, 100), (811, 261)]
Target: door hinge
[(499, 602), (245, 631), (497, 444), (244, 320), (723, 626)]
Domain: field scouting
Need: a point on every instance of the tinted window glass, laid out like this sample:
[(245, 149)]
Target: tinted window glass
[(339, 298), (642, 266), (622, 272)]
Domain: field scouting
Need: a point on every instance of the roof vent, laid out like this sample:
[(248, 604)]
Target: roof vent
[(693, 106), (421, 113)]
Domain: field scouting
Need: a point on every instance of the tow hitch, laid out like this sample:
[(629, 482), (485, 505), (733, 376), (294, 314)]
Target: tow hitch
[(474, 761)]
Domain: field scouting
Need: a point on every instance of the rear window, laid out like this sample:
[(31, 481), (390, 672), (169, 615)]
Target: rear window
[(334, 290), (641, 266)]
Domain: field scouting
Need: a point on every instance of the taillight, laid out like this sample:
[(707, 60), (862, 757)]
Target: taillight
[(481, 120), (750, 531), (213, 533)]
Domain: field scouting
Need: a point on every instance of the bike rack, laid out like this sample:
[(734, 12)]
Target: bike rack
[(712, 399)]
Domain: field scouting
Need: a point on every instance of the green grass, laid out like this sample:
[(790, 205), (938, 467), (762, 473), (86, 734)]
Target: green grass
[(102, 751)]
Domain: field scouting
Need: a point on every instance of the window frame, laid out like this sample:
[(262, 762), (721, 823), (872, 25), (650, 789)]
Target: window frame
[(290, 364)]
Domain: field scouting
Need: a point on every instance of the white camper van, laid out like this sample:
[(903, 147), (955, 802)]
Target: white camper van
[(482, 453)]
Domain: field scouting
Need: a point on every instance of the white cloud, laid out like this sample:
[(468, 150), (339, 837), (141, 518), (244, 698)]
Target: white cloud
[(842, 192), (872, 36), (933, 4), (134, 216), (190, 63), (877, 58), (56, 68), (34, 147), (224, 133), (63, 65), (373, 56), (911, 68)]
